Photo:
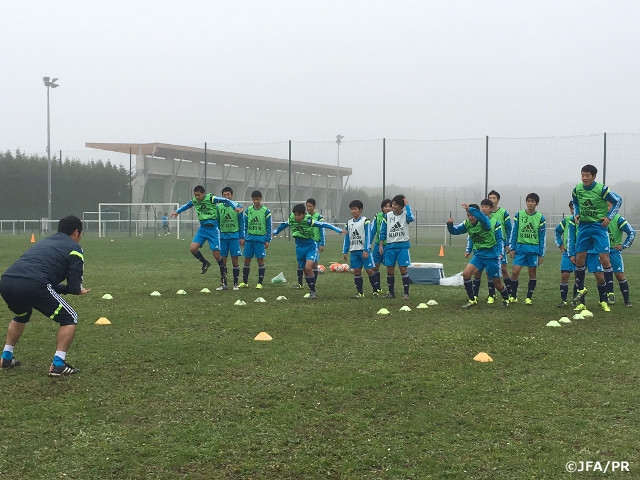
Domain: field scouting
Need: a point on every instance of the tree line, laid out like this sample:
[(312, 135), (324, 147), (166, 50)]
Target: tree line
[(76, 187)]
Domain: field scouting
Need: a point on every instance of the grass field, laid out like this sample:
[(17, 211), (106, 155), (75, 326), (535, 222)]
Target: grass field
[(176, 387)]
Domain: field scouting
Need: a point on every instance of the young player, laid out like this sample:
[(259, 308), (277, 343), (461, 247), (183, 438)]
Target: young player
[(395, 232), (257, 227), (485, 235), (504, 219), (617, 226), (505, 223), (319, 237), (204, 203), (527, 245), (485, 207), (357, 243), (563, 232), (231, 237), (302, 228), (376, 224), (593, 215), (165, 224)]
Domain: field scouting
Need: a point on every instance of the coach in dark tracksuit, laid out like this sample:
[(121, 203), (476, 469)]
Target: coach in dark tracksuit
[(34, 282)]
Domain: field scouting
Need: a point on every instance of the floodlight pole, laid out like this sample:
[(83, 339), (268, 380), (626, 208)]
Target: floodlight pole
[(49, 83)]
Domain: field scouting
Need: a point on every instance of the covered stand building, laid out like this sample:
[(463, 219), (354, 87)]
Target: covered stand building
[(167, 173)]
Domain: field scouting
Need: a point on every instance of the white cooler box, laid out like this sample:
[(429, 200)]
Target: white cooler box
[(425, 273)]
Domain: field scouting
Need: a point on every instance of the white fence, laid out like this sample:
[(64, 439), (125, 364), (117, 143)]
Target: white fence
[(432, 234)]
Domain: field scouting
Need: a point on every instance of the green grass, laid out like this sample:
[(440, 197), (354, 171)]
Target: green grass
[(176, 387)]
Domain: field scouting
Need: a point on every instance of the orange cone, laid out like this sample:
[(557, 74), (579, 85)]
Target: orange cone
[(441, 251), (33, 238)]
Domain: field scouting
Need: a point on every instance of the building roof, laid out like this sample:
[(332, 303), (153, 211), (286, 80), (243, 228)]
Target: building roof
[(195, 154)]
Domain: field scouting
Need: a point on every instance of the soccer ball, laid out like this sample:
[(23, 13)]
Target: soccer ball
[(345, 267), (339, 267), (320, 268)]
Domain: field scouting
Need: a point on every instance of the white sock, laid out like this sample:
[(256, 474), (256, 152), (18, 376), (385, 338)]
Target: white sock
[(60, 354), (8, 348)]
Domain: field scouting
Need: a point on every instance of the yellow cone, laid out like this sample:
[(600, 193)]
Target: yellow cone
[(483, 357), (263, 337), (103, 321)]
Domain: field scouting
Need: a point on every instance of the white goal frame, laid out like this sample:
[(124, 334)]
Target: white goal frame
[(158, 209)]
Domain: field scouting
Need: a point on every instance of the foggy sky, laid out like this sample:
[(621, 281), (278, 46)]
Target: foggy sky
[(248, 71)]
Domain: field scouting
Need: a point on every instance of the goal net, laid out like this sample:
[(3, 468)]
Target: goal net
[(136, 219)]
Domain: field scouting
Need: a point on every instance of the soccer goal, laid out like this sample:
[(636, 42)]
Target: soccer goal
[(91, 223), (138, 219)]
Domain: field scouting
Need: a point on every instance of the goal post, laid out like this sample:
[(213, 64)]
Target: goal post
[(91, 222), (137, 219)]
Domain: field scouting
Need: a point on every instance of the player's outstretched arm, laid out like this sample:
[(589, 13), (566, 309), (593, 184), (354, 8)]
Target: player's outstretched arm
[(280, 228)]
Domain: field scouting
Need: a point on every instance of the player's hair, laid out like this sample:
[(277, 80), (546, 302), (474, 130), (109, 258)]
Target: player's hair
[(487, 202), (398, 200), (199, 188), (493, 192), (589, 169), (299, 208), (312, 201), (474, 205), (534, 197), (227, 189), (256, 194), (386, 201), (69, 225), (357, 204)]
